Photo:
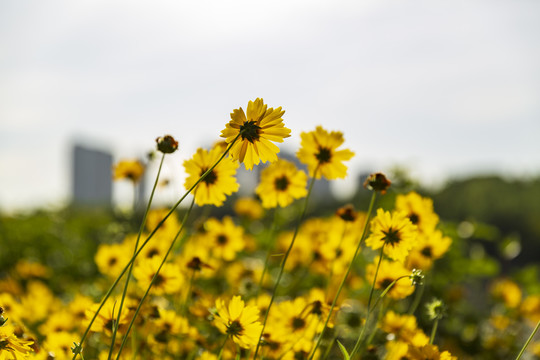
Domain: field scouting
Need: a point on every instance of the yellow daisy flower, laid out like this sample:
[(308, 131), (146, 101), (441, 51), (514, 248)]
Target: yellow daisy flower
[(168, 281), (429, 246), (248, 207), (419, 210), (507, 291), (128, 169), (238, 321), (218, 183), (107, 317), (258, 127), (224, 238), (393, 230), (10, 344), (111, 259), (390, 271), (319, 151), (281, 183)]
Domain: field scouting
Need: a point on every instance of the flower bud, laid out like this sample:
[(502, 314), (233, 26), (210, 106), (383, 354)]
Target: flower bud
[(166, 144), (347, 213), (377, 182)]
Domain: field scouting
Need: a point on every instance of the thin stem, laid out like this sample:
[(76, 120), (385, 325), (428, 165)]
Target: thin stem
[(362, 332), (222, 347), (141, 228), (528, 341), (77, 350), (433, 331), (417, 297), (364, 232), (154, 279), (282, 267)]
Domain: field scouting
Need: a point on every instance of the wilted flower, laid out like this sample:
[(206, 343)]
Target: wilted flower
[(377, 182), (166, 144)]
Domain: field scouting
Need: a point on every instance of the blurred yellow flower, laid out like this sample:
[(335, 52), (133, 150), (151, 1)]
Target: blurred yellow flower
[(224, 238), (249, 207), (393, 230), (319, 151), (107, 317), (258, 127), (168, 281), (428, 247), (508, 291), (112, 258), (281, 183), (390, 271), (218, 183), (419, 211), (128, 169), (238, 321)]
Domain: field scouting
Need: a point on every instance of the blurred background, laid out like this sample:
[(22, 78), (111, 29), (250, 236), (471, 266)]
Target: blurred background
[(442, 89)]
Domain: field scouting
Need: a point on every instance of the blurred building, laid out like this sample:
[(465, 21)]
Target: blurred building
[(92, 181)]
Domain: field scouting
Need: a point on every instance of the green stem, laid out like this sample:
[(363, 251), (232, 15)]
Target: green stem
[(220, 355), (282, 267), (124, 340), (364, 232), (77, 350), (528, 341), (433, 331), (141, 228), (363, 331), (417, 297)]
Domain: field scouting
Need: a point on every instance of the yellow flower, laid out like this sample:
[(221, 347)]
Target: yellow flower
[(249, 208), (403, 328), (239, 322), (393, 230), (319, 151), (429, 246), (107, 317), (168, 281), (281, 183), (258, 127), (112, 258), (388, 273), (10, 344), (224, 238), (508, 291), (128, 169), (218, 183), (530, 308), (419, 210), (60, 344)]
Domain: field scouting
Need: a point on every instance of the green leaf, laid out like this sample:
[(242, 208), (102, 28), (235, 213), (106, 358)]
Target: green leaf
[(346, 355)]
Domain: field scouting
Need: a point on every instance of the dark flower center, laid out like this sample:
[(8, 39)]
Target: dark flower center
[(235, 328), (195, 264), (112, 261), (221, 239), (386, 283), (324, 155), (414, 218), (210, 178), (391, 236), (250, 131), (159, 280), (298, 323), (427, 252), (153, 252), (281, 183)]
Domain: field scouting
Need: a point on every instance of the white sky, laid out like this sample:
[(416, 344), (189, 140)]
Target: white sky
[(444, 88)]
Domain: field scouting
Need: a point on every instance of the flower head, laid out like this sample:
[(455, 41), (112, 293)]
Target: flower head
[(377, 182), (128, 169), (218, 183), (256, 128), (166, 144), (281, 183), (393, 230), (319, 151), (238, 321)]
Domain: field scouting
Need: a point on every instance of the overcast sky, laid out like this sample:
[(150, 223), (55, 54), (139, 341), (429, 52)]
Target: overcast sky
[(443, 88)]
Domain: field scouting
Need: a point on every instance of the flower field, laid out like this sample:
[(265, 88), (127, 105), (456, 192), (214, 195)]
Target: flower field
[(265, 276)]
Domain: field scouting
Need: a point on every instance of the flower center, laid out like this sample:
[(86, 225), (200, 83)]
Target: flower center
[(221, 239), (250, 131), (210, 178), (427, 252), (298, 323), (324, 155), (414, 218), (281, 183), (235, 328), (391, 236), (159, 280), (386, 283)]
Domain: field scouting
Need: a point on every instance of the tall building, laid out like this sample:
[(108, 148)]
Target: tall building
[(92, 179)]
